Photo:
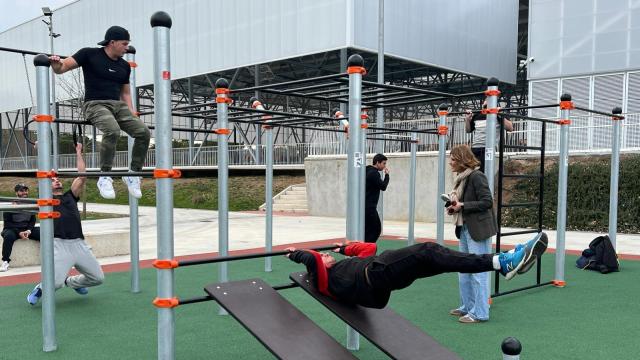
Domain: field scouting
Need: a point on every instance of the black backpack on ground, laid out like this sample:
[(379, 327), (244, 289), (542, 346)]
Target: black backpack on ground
[(600, 256)]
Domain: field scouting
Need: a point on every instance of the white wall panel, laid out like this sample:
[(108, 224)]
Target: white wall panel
[(477, 37), (579, 37)]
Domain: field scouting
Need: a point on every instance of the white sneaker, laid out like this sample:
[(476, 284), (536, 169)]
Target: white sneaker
[(133, 184), (105, 185), (4, 267)]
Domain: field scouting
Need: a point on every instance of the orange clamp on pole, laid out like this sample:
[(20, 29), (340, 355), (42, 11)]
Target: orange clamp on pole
[(166, 173), (559, 283), (222, 100), (492, 92), (443, 130), (165, 264), (617, 118), (356, 70), (46, 174), (567, 105), (364, 126), (220, 91), (443, 113), (490, 111), (43, 118), (48, 215), (564, 122), (267, 126), (222, 131), (48, 202), (132, 64), (167, 303)]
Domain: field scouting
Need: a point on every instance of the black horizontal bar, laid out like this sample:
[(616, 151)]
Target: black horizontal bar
[(599, 112), (194, 300), (288, 125), (404, 88), (304, 96), (18, 207), (521, 289), (27, 52), (521, 176), (516, 108), (522, 147), (185, 107), (521, 204), (522, 232), (530, 118), (18, 200), (273, 112), (69, 174), (287, 83), (242, 257)]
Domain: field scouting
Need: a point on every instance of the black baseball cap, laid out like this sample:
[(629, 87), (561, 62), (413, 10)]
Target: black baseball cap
[(20, 187), (115, 33)]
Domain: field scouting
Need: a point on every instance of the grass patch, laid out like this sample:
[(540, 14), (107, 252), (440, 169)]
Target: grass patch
[(245, 192)]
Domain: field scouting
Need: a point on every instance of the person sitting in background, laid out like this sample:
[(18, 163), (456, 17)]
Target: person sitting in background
[(17, 225)]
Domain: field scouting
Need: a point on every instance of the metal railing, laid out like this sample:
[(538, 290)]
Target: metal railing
[(587, 134)]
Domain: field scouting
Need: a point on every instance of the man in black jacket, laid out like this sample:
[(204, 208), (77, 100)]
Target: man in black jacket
[(367, 280), (17, 225), (374, 184)]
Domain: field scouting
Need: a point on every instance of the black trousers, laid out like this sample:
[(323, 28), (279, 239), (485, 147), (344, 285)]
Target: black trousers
[(10, 236), (397, 269), (372, 225), (479, 153)]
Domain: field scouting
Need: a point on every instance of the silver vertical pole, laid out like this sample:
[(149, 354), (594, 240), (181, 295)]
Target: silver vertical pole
[(268, 191), (56, 126), (443, 110), (161, 24), (615, 170), (44, 188), (134, 231), (412, 189), (222, 100), (380, 110), (490, 144), (355, 166), (563, 169)]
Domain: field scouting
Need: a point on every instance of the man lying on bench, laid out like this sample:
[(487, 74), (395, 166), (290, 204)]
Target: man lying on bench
[(367, 280)]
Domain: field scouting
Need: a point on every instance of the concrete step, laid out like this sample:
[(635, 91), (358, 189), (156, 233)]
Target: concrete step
[(287, 207), (295, 196), (294, 199)]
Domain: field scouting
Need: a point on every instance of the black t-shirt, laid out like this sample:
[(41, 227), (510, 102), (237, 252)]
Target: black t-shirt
[(68, 225), (103, 77)]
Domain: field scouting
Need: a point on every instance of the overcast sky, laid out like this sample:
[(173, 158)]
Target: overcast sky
[(16, 12)]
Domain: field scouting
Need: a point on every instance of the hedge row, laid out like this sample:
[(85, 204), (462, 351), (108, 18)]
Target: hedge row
[(587, 196)]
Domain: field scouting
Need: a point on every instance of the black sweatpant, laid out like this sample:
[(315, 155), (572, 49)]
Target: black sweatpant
[(10, 236), (397, 269), (372, 225)]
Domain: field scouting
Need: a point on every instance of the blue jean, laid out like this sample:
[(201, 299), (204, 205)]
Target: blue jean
[(474, 288)]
